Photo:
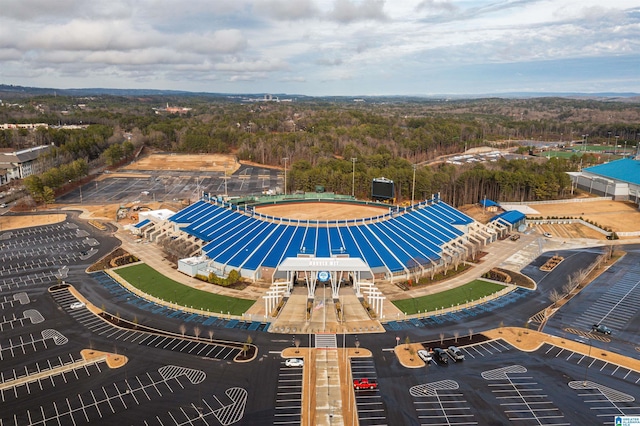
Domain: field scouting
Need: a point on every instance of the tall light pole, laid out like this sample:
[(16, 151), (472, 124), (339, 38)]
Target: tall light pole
[(616, 149), (413, 185), (225, 182), (353, 178), (608, 138), (285, 174)]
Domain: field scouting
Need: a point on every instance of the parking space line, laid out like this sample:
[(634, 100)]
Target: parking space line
[(518, 392)]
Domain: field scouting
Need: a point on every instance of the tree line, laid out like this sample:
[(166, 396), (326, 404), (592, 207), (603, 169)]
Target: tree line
[(319, 139), (505, 180)]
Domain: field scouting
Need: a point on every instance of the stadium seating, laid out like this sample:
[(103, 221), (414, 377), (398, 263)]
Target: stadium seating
[(407, 238)]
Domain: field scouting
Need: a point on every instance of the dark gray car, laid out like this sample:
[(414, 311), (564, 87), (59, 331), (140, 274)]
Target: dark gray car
[(440, 355)]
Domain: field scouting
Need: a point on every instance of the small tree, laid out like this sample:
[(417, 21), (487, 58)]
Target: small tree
[(407, 341), (456, 334), (441, 338), (48, 195), (196, 331), (297, 343), (555, 296), (246, 346), (183, 329), (211, 335), (470, 333)]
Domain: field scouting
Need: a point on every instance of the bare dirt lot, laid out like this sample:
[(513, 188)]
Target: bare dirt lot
[(16, 222), (322, 211), (620, 216), (186, 162)]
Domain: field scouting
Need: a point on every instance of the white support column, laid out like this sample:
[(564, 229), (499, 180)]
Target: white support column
[(335, 286), (356, 283), (289, 284), (312, 280)]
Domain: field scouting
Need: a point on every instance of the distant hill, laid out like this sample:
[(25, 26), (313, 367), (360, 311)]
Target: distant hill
[(24, 91)]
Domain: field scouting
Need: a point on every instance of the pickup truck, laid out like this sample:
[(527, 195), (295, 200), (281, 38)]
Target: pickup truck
[(365, 384)]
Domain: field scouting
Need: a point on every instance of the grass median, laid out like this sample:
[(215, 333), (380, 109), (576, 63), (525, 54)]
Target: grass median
[(472, 291), (152, 282)]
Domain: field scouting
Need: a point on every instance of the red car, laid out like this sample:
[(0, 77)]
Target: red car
[(365, 384)]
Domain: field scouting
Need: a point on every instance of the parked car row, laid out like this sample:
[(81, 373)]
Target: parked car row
[(440, 355)]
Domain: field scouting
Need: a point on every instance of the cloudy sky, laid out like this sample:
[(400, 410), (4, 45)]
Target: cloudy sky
[(323, 47)]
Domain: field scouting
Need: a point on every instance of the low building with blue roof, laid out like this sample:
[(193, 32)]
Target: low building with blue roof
[(510, 219), (489, 205), (618, 179)]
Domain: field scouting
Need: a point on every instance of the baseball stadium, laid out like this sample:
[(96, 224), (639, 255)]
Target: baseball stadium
[(313, 240)]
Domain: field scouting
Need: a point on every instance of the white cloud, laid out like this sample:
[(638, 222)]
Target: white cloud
[(307, 43), (287, 10), (223, 41), (437, 6), (346, 11)]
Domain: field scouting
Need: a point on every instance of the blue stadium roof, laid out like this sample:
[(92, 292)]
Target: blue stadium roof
[(245, 241), (626, 170), (513, 216), (488, 203), (143, 223)]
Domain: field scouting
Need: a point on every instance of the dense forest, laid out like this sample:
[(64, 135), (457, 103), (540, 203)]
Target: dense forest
[(335, 143)]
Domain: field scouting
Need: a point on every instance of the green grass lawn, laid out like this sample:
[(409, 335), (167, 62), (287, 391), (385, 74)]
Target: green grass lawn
[(155, 284), (474, 290)]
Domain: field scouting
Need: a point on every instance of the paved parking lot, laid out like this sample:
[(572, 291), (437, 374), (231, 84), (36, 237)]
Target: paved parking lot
[(522, 397), (288, 404), (369, 404), (174, 380), (43, 378), (611, 299), (176, 343), (498, 384), (153, 185), (438, 403)]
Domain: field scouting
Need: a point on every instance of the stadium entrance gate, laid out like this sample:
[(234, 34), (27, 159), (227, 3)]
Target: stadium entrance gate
[(324, 269)]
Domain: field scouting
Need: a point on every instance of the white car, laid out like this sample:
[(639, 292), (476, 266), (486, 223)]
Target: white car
[(424, 355), (294, 362), (547, 234), (77, 305)]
